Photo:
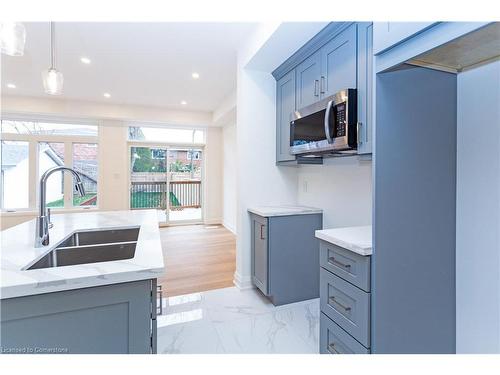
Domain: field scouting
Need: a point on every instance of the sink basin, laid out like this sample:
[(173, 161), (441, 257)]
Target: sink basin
[(92, 237), (69, 256), (94, 246)]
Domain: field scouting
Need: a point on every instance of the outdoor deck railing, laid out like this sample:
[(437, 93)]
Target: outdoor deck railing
[(182, 194)]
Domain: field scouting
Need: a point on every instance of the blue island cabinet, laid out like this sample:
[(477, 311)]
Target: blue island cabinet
[(109, 319)]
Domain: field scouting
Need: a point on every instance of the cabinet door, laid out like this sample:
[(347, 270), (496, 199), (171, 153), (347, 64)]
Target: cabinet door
[(308, 80), (338, 63), (388, 34), (110, 319), (365, 87), (260, 257), (285, 105)]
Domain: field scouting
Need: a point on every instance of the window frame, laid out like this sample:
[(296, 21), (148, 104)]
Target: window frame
[(33, 145), (193, 144)]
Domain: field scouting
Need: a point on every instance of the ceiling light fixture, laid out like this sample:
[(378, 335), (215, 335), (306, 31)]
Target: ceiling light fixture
[(195, 75), (11, 86), (12, 38), (184, 102), (107, 95), (85, 60), (52, 78)]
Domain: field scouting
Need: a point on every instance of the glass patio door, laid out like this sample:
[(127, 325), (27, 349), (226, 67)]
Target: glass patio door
[(168, 180), (148, 180), (185, 185)]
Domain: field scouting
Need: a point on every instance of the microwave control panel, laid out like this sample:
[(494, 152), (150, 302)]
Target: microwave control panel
[(340, 125)]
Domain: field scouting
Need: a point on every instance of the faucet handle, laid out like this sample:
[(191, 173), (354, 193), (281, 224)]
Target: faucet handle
[(48, 218)]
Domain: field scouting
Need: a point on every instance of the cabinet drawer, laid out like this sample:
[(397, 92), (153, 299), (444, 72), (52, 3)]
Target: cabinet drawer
[(334, 340), (350, 266), (346, 305)]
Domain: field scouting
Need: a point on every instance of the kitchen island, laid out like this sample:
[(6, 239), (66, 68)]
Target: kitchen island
[(92, 305)]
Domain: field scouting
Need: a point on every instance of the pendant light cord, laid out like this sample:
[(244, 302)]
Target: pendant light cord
[(52, 46)]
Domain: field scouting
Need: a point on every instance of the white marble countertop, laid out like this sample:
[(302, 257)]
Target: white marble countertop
[(268, 211), (356, 239), (18, 251)]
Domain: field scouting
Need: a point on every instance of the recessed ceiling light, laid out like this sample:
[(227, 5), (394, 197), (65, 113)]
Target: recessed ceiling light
[(195, 75), (11, 86), (184, 102), (85, 60), (107, 95)]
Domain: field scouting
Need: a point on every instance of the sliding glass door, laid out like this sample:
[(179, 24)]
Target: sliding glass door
[(184, 178), (168, 180)]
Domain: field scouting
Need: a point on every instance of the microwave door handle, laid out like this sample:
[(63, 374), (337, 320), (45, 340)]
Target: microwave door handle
[(327, 122)]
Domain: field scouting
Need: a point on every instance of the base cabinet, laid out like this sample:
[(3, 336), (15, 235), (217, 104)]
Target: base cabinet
[(345, 301), (110, 319), (285, 257), (334, 340)]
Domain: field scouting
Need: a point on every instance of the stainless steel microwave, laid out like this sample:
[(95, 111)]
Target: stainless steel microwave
[(328, 126)]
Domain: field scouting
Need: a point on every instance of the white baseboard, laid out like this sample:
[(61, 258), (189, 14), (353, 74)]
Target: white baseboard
[(229, 227), (242, 283), (212, 221)]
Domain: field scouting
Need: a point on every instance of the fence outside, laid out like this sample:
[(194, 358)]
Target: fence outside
[(153, 194)]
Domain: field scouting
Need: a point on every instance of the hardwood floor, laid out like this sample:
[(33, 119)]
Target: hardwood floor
[(197, 258)]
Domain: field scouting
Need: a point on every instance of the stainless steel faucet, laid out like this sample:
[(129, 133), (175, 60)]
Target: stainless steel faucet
[(43, 219)]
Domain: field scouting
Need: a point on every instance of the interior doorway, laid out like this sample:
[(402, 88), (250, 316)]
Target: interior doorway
[(169, 180)]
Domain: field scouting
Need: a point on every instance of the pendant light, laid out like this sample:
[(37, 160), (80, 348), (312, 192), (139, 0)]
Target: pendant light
[(52, 78), (12, 38)]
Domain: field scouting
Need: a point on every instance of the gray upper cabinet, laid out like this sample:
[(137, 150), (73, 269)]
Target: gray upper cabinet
[(365, 87), (308, 75), (338, 63), (285, 105), (338, 57)]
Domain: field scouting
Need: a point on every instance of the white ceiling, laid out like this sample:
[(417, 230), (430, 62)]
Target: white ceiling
[(137, 63)]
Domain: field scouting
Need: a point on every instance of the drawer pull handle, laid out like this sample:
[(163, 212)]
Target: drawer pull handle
[(159, 293), (344, 307), (334, 261), (332, 349)]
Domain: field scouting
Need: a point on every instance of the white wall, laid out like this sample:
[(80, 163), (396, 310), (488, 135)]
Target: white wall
[(260, 181), (105, 111), (478, 210), (212, 201), (230, 160), (342, 187), (113, 166)]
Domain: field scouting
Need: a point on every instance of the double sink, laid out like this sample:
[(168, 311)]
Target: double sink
[(90, 246)]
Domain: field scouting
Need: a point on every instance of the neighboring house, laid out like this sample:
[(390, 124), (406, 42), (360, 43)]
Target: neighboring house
[(15, 170)]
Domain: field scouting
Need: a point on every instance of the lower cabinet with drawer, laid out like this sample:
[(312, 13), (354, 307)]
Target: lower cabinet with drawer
[(334, 340), (344, 301), (285, 256)]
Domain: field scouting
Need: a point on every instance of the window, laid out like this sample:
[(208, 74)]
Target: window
[(166, 135), (52, 155), (15, 175), (85, 163), (47, 128), (158, 153), (29, 148)]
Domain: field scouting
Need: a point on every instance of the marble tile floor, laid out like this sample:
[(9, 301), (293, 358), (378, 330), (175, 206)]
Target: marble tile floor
[(236, 322)]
